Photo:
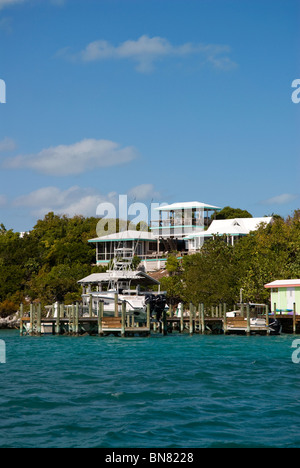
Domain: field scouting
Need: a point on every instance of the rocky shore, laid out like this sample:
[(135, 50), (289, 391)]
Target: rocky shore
[(10, 323)]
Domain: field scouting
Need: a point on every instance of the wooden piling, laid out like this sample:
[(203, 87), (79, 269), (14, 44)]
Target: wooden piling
[(220, 310), (248, 321), (91, 306), (21, 310), (164, 324), (148, 315), (191, 318), (39, 319), (202, 319), (275, 310), (116, 305), (182, 319), (21, 324), (225, 318), (100, 318), (21, 317), (294, 319), (57, 328), (123, 319), (31, 319), (267, 320), (76, 324)]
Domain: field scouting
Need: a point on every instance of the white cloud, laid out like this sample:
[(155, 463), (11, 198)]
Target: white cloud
[(73, 201), (144, 192), (146, 50), (7, 3), (7, 145), (283, 199), (77, 200), (74, 159)]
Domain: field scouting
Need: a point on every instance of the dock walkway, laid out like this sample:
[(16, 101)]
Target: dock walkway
[(72, 320)]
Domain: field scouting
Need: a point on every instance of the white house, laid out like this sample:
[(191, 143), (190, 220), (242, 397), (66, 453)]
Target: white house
[(232, 228), (180, 227)]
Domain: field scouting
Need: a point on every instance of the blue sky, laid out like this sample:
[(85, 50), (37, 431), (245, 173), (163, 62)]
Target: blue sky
[(163, 100)]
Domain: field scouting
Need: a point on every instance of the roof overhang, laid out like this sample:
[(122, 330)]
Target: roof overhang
[(283, 284), (133, 276), (188, 206)]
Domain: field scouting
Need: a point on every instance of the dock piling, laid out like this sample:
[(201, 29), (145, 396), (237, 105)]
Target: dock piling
[(148, 315), (267, 320), (182, 320), (76, 325), (100, 318), (91, 306), (248, 321), (191, 318), (116, 305), (225, 318), (123, 319), (39, 319), (202, 319)]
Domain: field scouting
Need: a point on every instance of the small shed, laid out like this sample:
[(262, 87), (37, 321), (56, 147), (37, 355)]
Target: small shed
[(285, 293)]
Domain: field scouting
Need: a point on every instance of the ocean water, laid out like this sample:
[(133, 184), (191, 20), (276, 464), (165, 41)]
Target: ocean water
[(160, 392)]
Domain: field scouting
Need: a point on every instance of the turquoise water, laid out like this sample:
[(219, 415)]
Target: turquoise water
[(158, 392)]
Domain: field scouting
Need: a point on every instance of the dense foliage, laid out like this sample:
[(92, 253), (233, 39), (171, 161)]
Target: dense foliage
[(231, 213), (219, 272), (47, 262)]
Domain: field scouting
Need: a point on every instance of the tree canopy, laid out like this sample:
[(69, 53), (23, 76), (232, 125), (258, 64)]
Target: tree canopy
[(232, 213), (219, 271), (47, 263)]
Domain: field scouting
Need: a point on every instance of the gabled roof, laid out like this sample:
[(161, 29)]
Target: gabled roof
[(233, 227), (126, 236), (133, 276), (188, 206), (284, 284)]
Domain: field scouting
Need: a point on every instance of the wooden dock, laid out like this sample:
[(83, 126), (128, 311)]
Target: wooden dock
[(74, 320)]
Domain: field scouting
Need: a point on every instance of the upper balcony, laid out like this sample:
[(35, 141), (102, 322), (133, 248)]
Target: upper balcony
[(182, 219)]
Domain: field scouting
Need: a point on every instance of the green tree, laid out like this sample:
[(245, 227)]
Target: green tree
[(174, 287), (211, 276), (232, 213)]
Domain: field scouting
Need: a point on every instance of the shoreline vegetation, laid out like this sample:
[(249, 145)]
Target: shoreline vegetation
[(46, 263)]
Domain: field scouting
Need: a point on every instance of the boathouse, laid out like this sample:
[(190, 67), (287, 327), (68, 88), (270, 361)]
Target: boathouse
[(285, 293)]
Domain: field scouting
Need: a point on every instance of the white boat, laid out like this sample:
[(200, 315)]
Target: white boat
[(128, 286)]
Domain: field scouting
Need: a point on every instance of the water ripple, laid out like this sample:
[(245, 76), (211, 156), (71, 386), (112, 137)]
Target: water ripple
[(179, 391)]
